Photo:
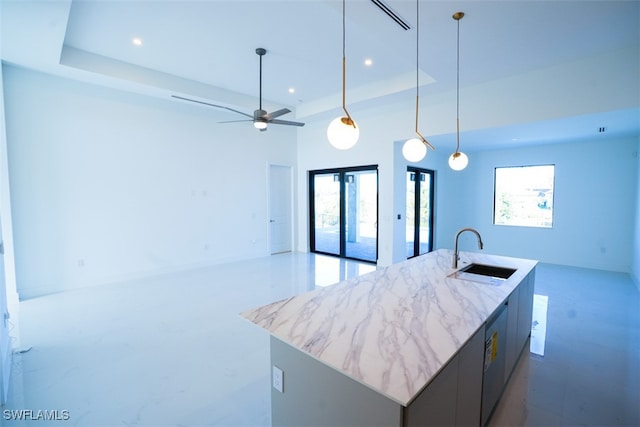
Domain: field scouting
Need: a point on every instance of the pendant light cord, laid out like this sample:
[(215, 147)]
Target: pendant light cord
[(458, 88), (422, 138), (417, 62)]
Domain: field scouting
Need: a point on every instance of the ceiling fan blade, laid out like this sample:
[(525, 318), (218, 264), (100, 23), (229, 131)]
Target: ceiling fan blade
[(235, 121), (275, 114), (211, 105), (285, 122)]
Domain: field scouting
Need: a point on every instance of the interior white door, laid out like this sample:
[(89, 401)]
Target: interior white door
[(5, 340), (280, 208)]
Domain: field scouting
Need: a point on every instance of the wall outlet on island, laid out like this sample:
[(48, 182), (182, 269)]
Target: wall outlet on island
[(278, 379)]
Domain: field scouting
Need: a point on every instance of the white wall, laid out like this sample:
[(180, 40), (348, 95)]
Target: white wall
[(109, 185), (596, 183), (596, 186)]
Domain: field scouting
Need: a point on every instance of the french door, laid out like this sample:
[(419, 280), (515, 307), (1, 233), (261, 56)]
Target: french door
[(419, 211), (343, 212)]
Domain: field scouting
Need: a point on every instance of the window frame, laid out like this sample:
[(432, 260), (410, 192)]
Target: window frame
[(495, 196)]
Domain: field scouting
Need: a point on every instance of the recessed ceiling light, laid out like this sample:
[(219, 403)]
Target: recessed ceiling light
[(368, 62), (137, 41), (292, 90)]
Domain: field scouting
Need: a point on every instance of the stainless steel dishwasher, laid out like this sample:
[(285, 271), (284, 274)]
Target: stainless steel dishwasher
[(494, 361)]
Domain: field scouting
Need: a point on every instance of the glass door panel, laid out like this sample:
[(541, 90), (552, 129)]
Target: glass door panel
[(361, 214), (327, 213), (419, 214), (425, 235), (411, 214)]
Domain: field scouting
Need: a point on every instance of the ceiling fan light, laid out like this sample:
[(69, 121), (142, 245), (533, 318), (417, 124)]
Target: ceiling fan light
[(259, 124), (414, 150), (343, 133), (458, 161)]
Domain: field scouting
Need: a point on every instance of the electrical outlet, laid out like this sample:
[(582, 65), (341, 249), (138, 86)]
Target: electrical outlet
[(278, 379)]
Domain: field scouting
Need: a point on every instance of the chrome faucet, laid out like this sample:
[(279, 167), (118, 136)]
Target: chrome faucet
[(455, 248)]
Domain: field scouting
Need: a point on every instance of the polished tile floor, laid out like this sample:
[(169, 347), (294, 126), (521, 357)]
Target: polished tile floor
[(173, 351)]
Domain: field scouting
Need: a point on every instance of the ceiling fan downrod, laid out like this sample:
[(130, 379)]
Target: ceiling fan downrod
[(261, 52)]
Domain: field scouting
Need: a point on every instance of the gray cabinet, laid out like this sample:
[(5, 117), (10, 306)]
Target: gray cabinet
[(454, 396), (519, 319), (471, 365), (525, 310), (436, 404), (512, 328)]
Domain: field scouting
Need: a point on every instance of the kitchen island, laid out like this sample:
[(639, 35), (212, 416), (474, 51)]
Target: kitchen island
[(404, 345)]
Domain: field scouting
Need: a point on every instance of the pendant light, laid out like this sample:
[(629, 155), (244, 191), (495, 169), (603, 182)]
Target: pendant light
[(415, 149), (458, 160), (343, 132)]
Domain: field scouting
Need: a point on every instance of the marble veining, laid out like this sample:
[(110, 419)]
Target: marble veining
[(395, 328)]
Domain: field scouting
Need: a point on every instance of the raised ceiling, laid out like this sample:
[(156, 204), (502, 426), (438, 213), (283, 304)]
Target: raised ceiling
[(206, 49)]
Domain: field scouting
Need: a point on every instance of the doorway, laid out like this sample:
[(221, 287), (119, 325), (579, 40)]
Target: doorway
[(419, 211), (343, 212), (280, 209)]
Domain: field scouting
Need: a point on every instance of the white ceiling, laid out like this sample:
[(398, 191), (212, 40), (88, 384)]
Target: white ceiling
[(206, 49)]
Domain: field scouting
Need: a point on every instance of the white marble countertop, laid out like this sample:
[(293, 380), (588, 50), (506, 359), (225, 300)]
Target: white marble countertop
[(395, 328)]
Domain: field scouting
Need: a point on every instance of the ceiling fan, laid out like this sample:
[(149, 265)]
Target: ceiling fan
[(260, 117)]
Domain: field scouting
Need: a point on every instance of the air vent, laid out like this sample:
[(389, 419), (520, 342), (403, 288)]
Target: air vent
[(391, 14)]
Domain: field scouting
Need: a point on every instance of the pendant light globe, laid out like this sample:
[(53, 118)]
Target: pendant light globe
[(458, 161), (343, 133), (414, 150)]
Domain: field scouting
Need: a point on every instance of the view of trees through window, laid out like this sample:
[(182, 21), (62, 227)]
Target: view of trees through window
[(523, 196)]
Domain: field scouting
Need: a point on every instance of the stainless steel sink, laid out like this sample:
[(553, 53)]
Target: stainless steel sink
[(483, 273)]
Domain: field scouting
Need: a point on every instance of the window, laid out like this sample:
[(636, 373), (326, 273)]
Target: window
[(523, 196)]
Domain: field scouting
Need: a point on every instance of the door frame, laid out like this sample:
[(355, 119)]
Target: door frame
[(416, 213), (269, 204), (342, 211)]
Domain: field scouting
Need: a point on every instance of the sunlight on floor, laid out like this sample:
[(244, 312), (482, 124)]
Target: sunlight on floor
[(331, 270), (539, 324)]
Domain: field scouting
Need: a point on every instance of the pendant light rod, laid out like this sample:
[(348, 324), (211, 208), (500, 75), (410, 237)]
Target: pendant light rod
[(422, 138), (349, 120), (342, 132), (458, 16)]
